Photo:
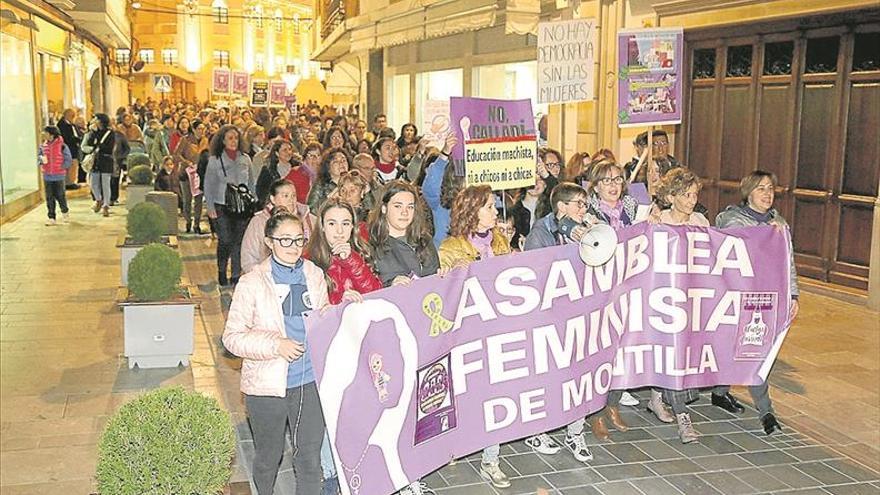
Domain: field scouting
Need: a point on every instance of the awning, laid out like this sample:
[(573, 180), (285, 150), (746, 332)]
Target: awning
[(344, 79), (522, 16)]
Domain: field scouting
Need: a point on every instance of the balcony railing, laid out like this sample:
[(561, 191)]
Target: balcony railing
[(333, 16)]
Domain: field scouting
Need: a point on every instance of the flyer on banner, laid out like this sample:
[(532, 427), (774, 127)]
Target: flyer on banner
[(240, 80), (516, 345), (221, 82), (567, 60), (650, 76), (277, 90), (259, 92), (498, 144)]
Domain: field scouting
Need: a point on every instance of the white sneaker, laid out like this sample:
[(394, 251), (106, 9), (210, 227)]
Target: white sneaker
[(494, 474), (50, 222), (417, 488), (577, 444), (65, 218), (543, 444), (627, 399)]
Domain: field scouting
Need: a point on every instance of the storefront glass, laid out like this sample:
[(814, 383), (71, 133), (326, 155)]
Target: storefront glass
[(513, 81), (398, 98), (52, 88), (437, 85), (18, 140)]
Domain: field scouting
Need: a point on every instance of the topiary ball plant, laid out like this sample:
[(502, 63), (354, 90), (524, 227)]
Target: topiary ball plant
[(141, 175), (166, 441), (154, 273), (146, 223), (137, 159)]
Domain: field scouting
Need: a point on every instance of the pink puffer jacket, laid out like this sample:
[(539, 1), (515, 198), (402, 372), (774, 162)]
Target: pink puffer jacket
[(255, 326)]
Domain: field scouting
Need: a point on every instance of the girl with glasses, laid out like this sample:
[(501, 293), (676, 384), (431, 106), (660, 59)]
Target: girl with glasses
[(265, 327)]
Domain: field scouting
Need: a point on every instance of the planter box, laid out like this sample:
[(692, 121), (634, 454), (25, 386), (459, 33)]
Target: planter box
[(135, 194), (158, 334), (130, 249)]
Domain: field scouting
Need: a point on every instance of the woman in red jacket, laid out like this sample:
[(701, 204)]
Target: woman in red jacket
[(342, 256)]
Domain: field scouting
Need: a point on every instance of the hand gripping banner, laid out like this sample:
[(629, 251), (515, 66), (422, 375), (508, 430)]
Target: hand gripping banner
[(526, 343)]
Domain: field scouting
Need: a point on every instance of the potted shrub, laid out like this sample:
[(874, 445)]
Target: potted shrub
[(141, 177), (157, 312), (166, 441), (145, 224)]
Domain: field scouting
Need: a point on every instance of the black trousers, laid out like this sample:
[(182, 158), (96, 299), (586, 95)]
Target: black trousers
[(230, 232), (55, 192)]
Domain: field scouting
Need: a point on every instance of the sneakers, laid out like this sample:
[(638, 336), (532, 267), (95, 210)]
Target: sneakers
[(97, 207), (417, 488), (627, 399), (105, 211), (65, 218), (577, 444), (656, 406), (686, 431), (543, 444), (493, 473), (768, 421), (50, 222)]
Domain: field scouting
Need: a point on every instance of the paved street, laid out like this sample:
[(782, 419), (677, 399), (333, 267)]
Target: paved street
[(63, 373)]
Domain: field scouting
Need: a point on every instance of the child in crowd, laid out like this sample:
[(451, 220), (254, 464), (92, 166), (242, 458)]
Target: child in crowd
[(55, 160)]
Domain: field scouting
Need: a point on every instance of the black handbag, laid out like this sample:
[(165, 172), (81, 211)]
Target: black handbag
[(240, 202)]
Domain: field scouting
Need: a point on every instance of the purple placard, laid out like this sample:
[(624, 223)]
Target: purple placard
[(240, 83), (639, 192), (533, 341), (649, 72), (484, 118)]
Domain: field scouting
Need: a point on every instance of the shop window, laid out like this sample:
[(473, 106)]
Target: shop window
[(704, 63), (513, 81), (739, 61), (777, 58), (220, 12), (866, 54), (822, 55), (169, 56), (123, 56), (221, 58), (148, 55), (18, 174)]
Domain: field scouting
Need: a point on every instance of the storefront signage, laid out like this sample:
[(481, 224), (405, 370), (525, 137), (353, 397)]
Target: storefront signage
[(222, 82), (240, 80), (567, 60), (533, 341), (259, 93), (497, 144), (649, 69), (277, 90)]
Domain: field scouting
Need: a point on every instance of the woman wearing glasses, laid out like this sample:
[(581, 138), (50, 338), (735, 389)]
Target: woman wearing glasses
[(265, 327)]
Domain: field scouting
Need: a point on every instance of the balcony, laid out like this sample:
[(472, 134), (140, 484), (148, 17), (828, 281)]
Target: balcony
[(106, 19)]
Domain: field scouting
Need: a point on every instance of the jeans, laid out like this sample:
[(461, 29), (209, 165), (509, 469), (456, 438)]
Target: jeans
[(55, 192), (101, 187), (230, 232), (191, 212), (268, 417), (490, 454), (760, 396), (327, 466)]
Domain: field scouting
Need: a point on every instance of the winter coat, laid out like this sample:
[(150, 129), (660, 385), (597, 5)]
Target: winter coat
[(255, 327), (627, 217), (157, 149), (103, 143), (319, 192), (737, 216), (72, 137), (396, 257), (459, 249), (351, 273), (58, 159), (214, 185)]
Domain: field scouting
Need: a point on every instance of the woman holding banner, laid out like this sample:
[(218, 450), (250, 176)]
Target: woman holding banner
[(473, 236), (679, 190), (758, 193)]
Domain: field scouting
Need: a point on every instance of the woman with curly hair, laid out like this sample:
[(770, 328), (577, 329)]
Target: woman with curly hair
[(336, 162), (473, 236), (335, 138)]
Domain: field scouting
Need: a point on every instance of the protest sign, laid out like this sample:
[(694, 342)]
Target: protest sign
[(521, 344), (497, 140), (259, 92), (567, 60), (649, 72), (435, 122), (221, 82), (277, 90), (240, 80)]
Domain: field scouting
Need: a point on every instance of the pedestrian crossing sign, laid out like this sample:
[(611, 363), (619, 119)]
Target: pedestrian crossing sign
[(162, 83)]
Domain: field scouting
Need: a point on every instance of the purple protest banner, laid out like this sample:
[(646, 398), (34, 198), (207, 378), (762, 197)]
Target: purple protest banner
[(240, 80), (482, 120), (649, 76), (525, 343)]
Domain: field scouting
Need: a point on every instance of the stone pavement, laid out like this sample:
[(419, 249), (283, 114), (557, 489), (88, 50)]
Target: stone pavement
[(63, 373)]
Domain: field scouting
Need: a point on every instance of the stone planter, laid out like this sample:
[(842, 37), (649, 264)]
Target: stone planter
[(158, 334), (135, 194), (130, 249)]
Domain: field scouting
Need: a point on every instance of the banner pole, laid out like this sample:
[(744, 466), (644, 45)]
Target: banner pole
[(648, 183)]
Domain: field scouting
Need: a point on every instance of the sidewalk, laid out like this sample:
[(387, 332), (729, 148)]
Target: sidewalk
[(63, 373)]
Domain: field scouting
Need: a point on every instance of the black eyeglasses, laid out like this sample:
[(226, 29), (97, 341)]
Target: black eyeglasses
[(286, 242), (607, 181), (579, 202)]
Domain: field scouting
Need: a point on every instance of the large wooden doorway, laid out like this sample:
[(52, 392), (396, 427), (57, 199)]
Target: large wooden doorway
[(799, 98)]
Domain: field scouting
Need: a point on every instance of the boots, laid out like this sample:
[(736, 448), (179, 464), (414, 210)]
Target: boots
[(222, 280), (656, 406), (105, 211), (97, 207), (686, 431), (597, 425), (616, 419), (188, 226)]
